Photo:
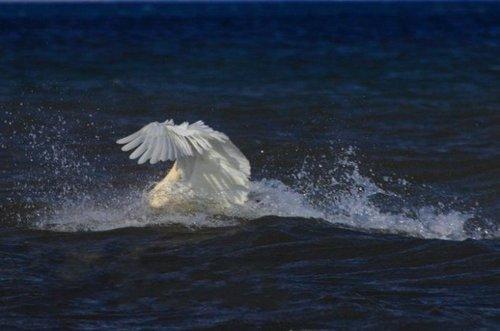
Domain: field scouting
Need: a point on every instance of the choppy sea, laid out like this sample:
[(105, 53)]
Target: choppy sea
[(372, 130)]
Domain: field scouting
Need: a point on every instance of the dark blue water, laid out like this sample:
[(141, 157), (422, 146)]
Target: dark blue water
[(371, 128)]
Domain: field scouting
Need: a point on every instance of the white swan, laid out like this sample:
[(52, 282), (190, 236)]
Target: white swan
[(209, 171)]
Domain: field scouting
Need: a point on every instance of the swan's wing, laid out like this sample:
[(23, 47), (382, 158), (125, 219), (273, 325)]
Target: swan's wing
[(233, 179), (166, 141), (221, 173)]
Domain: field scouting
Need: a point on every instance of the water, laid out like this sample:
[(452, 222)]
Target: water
[(371, 132)]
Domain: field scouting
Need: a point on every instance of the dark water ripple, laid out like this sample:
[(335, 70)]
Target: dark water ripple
[(268, 272)]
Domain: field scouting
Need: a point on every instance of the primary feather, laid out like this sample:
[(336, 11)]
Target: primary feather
[(166, 141), (206, 161)]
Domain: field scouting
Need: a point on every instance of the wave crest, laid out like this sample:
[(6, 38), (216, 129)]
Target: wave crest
[(341, 196)]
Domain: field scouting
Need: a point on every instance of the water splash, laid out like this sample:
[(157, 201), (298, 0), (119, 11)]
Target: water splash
[(350, 200), (330, 187), (345, 196)]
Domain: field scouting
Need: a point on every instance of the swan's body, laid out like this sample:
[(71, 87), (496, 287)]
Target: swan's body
[(209, 171)]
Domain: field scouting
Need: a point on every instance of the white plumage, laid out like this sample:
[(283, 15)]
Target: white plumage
[(208, 170)]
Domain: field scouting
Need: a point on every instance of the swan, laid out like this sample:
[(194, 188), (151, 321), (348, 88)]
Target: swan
[(209, 170)]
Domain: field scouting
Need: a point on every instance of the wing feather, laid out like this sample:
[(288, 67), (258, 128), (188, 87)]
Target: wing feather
[(133, 144), (167, 141), (207, 159), (155, 157), (163, 152), (139, 151), (129, 138)]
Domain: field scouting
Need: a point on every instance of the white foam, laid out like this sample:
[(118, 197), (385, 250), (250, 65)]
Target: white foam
[(334, 191), (351, 205), (129, 210)]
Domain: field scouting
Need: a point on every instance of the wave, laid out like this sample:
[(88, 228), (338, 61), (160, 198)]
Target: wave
[(330, 187), (352, 200)]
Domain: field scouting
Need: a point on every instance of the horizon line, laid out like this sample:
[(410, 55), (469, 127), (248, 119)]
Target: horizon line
[(220, 1)]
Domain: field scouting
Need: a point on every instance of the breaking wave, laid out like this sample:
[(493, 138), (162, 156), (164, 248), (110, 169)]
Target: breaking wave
[(77, 195), (350, 200)]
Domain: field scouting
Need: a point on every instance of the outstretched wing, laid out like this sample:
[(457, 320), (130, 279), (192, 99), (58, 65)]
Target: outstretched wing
[(166, 141)]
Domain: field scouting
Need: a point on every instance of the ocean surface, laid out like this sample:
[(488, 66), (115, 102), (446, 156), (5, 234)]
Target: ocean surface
[(373, 134)]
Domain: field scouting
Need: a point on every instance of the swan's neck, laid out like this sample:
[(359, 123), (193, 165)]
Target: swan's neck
[(162, 194), (174, 175), (181, 171)]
